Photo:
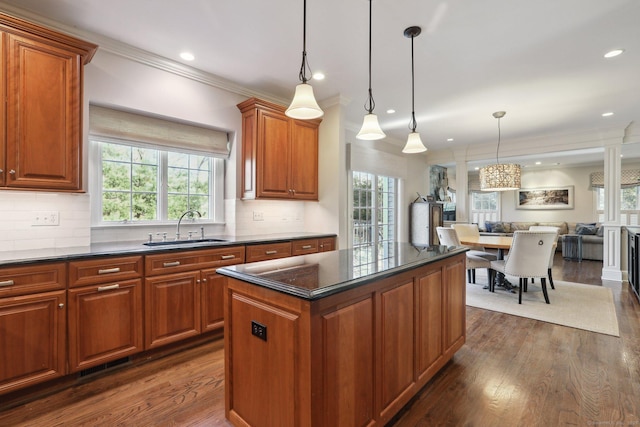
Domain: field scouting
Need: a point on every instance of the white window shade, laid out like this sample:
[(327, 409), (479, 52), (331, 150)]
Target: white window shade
[(124, 125), (628, 178), (377, 162)]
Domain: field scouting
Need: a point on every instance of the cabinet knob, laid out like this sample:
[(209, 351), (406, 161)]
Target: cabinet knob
[(1, 170), (204, 280), (198, 281), (12, 172), (60, 305)]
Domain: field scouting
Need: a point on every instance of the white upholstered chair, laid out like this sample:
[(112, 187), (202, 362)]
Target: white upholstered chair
[(467, 230), (528, 258), (555, 246), (475, 259)]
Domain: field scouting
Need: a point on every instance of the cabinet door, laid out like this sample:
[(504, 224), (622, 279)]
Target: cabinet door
[(304, 160), (212, 300), (429, 322), (274, 155), (172, 308), (105, 323), (32, 339), (454, 306), (327, 244), (3, 171), (43, 115)]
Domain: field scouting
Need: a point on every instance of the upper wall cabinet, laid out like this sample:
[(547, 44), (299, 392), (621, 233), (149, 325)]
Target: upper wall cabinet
[(42, 74), (279, 154)]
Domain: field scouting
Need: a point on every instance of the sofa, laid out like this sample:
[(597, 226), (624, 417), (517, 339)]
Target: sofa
[(592, 240)]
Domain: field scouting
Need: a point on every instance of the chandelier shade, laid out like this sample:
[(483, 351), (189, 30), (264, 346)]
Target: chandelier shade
[(304, 105), (414, 144), (500, 177)]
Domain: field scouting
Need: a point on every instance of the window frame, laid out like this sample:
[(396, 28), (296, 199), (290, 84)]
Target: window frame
[(216, 184)]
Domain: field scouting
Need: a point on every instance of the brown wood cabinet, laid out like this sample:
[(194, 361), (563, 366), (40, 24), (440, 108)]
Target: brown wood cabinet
[(279, 154), (327, 244), (105, 318), (42, 71), (32, 325), (183, 293), (352, 358)]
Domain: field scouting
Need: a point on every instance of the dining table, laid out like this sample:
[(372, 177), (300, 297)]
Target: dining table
[(501, 243)]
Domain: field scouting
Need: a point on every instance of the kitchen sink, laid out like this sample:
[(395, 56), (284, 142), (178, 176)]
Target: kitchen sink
[(183, 242)]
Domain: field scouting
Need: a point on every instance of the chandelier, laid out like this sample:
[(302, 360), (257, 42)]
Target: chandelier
[(500, 176)]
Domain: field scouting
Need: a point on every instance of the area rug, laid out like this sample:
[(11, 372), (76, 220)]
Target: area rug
[(575, 305)]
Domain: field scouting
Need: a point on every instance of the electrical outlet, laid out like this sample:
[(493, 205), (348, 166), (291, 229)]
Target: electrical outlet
[(45, 218), (258, 216), (259, 330)]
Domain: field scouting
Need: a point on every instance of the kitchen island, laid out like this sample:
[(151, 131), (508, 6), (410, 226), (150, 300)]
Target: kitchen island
[(329, 340)]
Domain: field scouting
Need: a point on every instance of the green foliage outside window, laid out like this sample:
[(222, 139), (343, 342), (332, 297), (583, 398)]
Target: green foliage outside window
[(131, 183)]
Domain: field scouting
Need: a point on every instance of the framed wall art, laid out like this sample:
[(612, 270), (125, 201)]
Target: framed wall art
[(545, 198)]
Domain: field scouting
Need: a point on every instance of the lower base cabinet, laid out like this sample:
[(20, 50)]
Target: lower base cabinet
[(105, 323), (32, 343), (351, 359)]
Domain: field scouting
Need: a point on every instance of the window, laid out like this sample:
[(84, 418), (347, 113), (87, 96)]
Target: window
[(373, 220), (141, 183), (628, 198), (484, 207)]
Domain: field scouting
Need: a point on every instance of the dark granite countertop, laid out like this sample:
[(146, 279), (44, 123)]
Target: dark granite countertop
[(137, 247), (319, 275)]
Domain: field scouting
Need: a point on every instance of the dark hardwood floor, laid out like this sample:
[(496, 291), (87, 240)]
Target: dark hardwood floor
[(511, 372)]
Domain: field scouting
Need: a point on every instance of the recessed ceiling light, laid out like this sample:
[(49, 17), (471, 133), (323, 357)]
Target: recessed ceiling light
[(607, 114), (318, 76), (449, 139), (613, 53), (391, 111), (538, 163), (187, 56), (476, 168)]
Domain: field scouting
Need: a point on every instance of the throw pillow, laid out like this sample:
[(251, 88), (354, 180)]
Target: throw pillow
[(488, 226), (586, 228), (500, 227), (600, 232)]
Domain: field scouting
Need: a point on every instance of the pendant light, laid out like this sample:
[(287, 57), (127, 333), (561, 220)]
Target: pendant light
[(370, 127), (501, 176), (414, 143), (304, 105)]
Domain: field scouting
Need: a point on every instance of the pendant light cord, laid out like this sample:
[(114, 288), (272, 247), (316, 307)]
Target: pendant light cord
[(370, 105), (498, 149), (305, 65), (413, 124)]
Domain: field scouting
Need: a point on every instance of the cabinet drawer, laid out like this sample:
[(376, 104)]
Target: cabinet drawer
[(268, 251), (302, 247), (92, 271), (327, 244), (175, 262), (32, 278)]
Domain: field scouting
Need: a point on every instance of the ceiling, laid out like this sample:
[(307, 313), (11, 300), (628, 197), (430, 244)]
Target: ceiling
[(541, 61)]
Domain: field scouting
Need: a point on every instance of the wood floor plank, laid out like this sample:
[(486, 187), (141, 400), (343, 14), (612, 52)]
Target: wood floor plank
[(512, 371)]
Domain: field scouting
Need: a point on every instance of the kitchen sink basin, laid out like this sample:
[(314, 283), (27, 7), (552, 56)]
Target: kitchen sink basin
[(183, 242)]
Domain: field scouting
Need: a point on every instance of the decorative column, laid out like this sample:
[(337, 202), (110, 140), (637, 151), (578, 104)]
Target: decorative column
[(611, 264), (462, 188)]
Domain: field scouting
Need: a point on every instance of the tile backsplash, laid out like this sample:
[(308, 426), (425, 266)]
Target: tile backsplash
[(21, 211)]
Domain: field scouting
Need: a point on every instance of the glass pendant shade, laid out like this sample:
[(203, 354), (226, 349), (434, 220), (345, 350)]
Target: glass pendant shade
[(500, 177), (304, 105), (370, 130), (414, 144)]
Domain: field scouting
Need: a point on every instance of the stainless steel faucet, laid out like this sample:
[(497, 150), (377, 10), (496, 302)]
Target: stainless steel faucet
[(190, 211)]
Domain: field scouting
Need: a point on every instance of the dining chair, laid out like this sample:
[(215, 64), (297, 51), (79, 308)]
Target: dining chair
[(475, 259), (528, 258), (555, 246), (468, 230)]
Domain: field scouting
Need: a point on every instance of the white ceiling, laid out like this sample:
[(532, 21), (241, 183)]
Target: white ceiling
[(541, 61)]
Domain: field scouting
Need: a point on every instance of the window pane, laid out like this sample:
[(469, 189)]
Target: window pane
[(178, 204), (199, 182), (116, 152), (116, 176), (145, 178), (116, 206), (144, 206), (177, 180), (178, 160), (201, 204), (146, 156), (199, 162)]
